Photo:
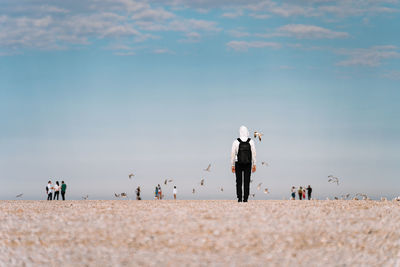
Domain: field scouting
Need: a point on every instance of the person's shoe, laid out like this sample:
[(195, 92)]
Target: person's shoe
[(245, 200), (239, 200)]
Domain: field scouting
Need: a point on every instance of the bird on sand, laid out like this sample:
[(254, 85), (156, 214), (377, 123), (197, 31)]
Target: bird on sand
[(266, 191), (333, 179), (202, 181), (131, 175), (20, 195), (194, 191), (264, 163), (258, 134), (85, 197), (208, 169), (259, 186)]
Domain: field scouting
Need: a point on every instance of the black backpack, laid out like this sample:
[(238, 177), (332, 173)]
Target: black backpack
[(244, 153)]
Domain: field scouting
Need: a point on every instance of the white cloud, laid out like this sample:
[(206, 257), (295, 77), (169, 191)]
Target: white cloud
[(393, 75), (163, 51), (153, 15), (370, 57), (310, 32), (244, 45)]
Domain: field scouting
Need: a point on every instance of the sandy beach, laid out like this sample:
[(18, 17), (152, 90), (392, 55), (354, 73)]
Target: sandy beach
[(199, 233)]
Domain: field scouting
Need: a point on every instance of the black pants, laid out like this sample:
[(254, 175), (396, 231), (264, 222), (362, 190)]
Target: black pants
[(49, 196), (56, 195), (242, 171), (63, 195), (300, 196), (309, 196)]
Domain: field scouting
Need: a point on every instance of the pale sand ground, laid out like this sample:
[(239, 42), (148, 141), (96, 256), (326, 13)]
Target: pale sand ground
[(205, 233)]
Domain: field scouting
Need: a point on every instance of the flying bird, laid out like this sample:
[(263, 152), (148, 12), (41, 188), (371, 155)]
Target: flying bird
[(364, 196), (20, 195), (131, 175), (264, 163), (259, 186), (194, 191), (124, 195), (333, 179), (222, 189), (202, 181), (257, 134), (116, 195), (266, 191), (170, 181), (208, 169), (253, 195), (85, 197), (346, 196), (165, 181)]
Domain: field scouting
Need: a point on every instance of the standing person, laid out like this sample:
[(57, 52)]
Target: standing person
[(304, 193), (309, 191), (293, 190), (138, 193), (49, 190), (175, 191), (300, 192), (156, 193), (160, 192), (63, 189), (56, 190), (243, 162)]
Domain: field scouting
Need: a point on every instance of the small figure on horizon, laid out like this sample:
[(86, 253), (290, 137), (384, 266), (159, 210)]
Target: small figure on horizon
[(309, 192), (293, 191), (175, 191), (57, 191), (159, 192), (156, 193), (138, 193), (300, 193), (63, 189), (243, 162), (49, 190), (304, 193)]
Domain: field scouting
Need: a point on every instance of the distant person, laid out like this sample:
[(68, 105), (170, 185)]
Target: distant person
[(300, 192), (49, 190), (175, 191), (160, 196), (293, 190), (138, 193), (309, 192), (56, 190), (243, 162), (156, 193), (304, 193), (63, 189)]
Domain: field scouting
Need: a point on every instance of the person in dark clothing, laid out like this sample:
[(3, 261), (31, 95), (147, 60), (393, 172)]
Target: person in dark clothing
[(56, 191), (300, 192), (63, 189), (309, 191), (243, 161), (138, 193)]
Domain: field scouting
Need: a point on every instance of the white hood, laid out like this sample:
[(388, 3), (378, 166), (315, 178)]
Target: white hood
[(243, 133)]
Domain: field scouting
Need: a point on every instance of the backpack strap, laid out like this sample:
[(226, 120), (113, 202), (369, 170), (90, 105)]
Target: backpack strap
[(240, 141), (248, 140)]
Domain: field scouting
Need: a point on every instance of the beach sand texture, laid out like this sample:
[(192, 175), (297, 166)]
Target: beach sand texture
[(199, 233)]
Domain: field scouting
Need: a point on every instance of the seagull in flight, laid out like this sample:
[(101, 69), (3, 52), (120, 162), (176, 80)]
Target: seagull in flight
[(202, 181), (346, 196), (259, 186), (333, 179), (266, 191), (222, 189), (131, 175), (85, 197), (253, 195), (264, 163), (208, 169), (116, 195), (124, 195), (258, 134), (20, 195), (194, 191)]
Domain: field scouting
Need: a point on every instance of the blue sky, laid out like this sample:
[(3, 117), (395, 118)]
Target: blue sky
[(91, 91)]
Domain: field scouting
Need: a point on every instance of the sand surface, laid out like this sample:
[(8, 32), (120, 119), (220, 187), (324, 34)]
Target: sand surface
[(199, 233)]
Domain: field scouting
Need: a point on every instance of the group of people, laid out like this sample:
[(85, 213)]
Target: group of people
[(56, 189), (301, 192), (159, 195)]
